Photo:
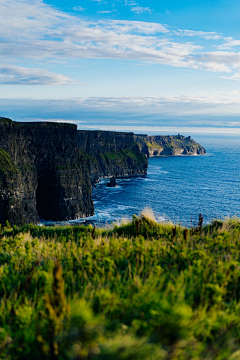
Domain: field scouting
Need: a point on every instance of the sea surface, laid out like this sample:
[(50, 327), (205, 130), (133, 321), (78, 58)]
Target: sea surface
[(177, 188)]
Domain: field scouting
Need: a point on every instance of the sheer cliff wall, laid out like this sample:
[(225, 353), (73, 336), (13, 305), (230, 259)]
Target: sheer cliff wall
[(41, 173), (168, 145), (46, 169), (111, 154)]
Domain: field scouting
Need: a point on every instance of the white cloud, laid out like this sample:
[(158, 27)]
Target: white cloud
[(141, 10), (190, 110), (235, 77), (13, 75), (204, 98), (164, 129), (221, 61), (230, 42), (105, 12), (130, 3), (78, 8), (33, 31), (205, 35)]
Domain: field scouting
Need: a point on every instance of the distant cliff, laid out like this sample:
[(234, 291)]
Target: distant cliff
[(168, 145), (46, 169), (111, 153)]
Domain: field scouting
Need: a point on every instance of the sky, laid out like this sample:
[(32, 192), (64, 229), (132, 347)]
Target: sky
[(143, 66)]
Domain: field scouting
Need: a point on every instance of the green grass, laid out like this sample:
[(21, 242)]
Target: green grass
[(122, 155), (85, 156), (6, 163), (140, 290), (153, 145)]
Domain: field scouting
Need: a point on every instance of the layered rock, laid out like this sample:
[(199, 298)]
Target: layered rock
[(168, 145), (111, 154)]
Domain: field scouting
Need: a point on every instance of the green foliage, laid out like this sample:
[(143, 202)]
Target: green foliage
[(6, 163), (153, 145), (138, 291), (122, 155), (85, 156)]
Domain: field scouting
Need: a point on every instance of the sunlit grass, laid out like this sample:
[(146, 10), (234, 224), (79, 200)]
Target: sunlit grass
[(136, 290)]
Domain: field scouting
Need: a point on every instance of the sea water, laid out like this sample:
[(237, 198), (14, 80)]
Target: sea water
[(177, 188)]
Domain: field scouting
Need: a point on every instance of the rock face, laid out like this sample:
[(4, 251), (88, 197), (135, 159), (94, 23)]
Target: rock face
[(111, 154), (41, 173), (168, 145), (46, 169)]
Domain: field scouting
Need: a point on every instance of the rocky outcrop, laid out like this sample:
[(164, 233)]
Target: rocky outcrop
[(112, 182), (168, 145), (46, 169), (42, 173), (111, 154)]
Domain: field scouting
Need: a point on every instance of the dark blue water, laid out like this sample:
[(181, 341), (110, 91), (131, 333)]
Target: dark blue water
[(178, 188)]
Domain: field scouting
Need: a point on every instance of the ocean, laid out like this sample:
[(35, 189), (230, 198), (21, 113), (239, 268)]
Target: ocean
[(177, 188)]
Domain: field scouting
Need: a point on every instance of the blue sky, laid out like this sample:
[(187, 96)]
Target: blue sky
[(123, 64)]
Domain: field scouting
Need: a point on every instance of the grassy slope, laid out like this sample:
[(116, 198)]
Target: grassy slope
[(6, 163), (138, 291)]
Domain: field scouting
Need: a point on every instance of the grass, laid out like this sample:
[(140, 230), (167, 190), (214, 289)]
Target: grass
[(153, 145), (141, 290), (6, 163), (123, 155)]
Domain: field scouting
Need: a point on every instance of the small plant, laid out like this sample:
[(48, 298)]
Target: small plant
[(57, 309)]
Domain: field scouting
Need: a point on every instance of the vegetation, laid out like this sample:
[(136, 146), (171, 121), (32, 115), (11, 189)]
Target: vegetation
[(6, 163), (153, 145), (85, 156), (122, 155), (141, 290)]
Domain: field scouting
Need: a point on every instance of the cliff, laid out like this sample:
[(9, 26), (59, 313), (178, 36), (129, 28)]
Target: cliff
[(168, 145), (41, 173), (110, 154), (46, 169)]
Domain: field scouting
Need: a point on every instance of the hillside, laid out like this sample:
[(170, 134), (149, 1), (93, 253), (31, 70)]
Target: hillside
[(168, 145), (139, 291)]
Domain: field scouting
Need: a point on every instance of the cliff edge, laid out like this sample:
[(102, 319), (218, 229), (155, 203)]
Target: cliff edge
[(41, 173), (46, 169), (168, 145)]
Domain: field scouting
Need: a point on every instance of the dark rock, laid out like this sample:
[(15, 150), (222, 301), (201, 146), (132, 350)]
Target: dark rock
[(110, 153), (112, 182), (44, 176), (46, 169)]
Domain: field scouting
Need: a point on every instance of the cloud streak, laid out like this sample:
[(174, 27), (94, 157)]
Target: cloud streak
[(207, 109), (32, 30), (14, 75), (139, 10)]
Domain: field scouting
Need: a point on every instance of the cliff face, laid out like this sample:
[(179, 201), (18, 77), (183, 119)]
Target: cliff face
[(168, 145), (111, 154), (41, 173), (46, 169)]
